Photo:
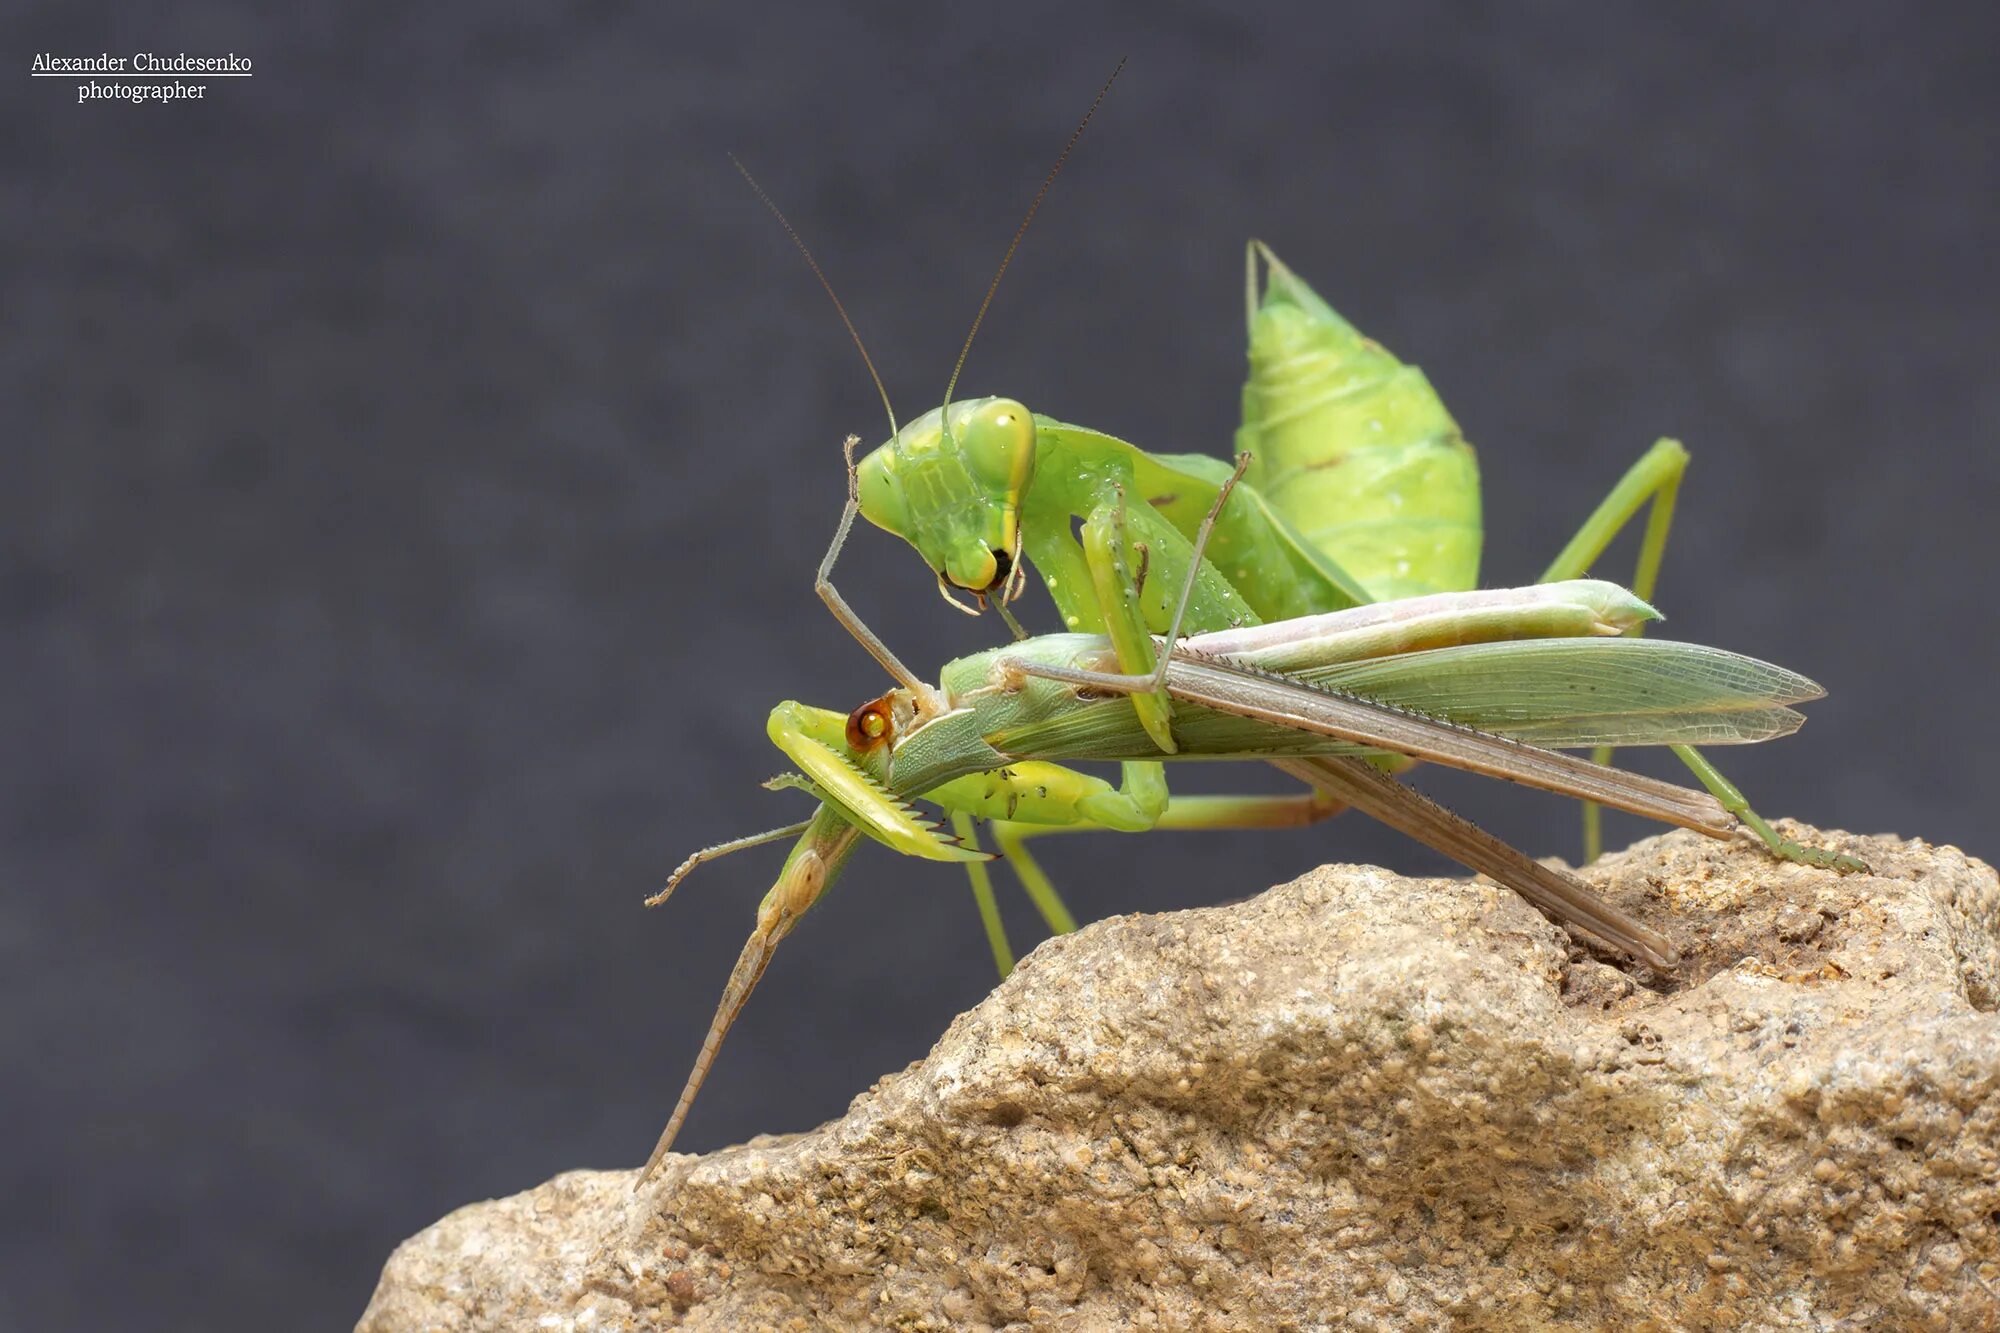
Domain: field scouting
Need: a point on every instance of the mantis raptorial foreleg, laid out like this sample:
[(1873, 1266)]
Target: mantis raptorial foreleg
[(1456, 678), (1362, 722), (1019, 796), (1107, 545), (1144, 791), (1119, 592), (830, 837), (1107, 548), (1654, 483), (1141, 802)]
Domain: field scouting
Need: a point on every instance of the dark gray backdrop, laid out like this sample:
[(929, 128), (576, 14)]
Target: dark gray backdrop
[(418, 453)]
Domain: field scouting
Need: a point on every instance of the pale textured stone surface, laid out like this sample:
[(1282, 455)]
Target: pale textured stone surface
[(1358, 1101)]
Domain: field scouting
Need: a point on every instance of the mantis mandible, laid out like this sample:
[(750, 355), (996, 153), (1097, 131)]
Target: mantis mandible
[(1457, 679)]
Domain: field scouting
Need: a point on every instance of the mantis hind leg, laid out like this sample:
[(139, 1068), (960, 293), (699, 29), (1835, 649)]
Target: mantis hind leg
[(1187, 813), (1785, 849), (982, 896), (1654, 480), (1654, 483)]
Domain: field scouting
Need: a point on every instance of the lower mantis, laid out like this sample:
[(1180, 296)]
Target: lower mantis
[(1461, 679)]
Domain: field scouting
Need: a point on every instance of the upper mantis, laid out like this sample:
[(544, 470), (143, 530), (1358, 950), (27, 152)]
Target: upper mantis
[(1363, 489), (1373, 495)]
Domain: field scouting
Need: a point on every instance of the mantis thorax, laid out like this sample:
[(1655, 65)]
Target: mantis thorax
[(950, 483)]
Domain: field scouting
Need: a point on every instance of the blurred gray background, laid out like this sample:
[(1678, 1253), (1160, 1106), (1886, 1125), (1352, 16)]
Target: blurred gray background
[(418, 455)]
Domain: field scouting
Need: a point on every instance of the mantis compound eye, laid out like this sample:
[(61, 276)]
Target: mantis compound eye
[(880, 492), (871, 726), (999, 443)]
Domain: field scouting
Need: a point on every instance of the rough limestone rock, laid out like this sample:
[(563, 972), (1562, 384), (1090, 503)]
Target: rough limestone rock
[(1358, 1101)]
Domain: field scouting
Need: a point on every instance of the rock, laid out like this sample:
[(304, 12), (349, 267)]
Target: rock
[(1358, 1101)]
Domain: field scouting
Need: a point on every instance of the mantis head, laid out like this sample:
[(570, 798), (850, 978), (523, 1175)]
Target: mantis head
[(950, 484)]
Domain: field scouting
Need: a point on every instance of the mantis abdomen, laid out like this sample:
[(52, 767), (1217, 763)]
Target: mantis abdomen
[(1354, 448)]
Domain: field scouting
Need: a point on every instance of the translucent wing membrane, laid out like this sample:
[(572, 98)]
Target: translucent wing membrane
[(1578, 692), (1549, 692)]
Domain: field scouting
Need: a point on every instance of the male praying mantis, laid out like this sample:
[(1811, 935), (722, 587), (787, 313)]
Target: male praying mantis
[(1466, 679)]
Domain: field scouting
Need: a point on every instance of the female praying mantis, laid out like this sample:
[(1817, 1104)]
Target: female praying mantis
[(1481, 681), (1364, 490), (1374, 496)]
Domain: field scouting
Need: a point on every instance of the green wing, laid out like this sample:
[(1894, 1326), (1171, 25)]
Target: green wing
[(1558, 693), (1576, 692)]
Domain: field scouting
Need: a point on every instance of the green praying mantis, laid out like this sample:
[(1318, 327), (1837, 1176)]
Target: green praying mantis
[(1363, 489), (1482, 681), (1334, 635), (1373, 497)]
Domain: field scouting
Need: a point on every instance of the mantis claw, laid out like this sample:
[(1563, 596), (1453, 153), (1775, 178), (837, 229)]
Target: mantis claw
[(876, 811), (1017, 580), (944, 591), (1787, 849)]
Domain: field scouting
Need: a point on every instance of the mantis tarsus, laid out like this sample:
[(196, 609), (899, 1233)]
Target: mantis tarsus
[(1450, 678)]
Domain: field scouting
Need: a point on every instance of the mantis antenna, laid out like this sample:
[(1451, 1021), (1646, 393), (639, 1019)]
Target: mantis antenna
[(831, 295), (1021, 231), (823, 581)]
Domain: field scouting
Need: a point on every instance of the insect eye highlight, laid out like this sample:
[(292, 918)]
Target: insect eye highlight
[(999, 444)]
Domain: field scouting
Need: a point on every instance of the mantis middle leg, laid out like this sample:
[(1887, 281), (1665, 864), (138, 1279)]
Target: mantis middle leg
[(1654, 483)]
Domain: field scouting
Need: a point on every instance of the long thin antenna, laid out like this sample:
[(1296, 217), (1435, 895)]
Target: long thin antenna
[(1022, 230), (852, 332)]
